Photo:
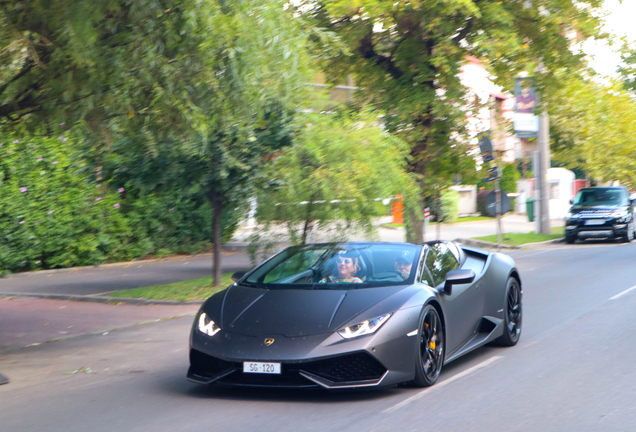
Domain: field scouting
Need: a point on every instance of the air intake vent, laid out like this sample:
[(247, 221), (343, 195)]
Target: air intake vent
[(348, 368), (208, 366)]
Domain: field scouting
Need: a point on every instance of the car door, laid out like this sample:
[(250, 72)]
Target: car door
[(464, 307)]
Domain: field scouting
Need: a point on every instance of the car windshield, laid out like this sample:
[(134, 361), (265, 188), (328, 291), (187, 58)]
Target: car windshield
[(594, 197), (338, 266)]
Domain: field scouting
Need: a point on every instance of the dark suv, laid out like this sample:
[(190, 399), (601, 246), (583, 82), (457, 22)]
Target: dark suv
[(601, 212)]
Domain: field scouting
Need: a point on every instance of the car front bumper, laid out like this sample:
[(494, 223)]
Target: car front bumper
[(607, 230), (324, 360)]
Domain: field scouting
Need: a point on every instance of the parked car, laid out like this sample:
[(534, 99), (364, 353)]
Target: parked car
[(349, 315), (601, 212)]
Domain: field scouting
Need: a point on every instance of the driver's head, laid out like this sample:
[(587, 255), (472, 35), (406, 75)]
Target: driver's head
[(403, 266)]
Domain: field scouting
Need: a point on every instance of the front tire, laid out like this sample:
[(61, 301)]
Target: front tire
[(570, 239), (429, 357), (512, 314)]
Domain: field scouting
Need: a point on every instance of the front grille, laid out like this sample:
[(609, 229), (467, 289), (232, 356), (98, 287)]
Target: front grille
[(208, 366), (347, 368), (586, 214)]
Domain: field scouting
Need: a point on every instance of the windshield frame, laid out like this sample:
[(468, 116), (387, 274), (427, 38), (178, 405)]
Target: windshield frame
[(256, 278)]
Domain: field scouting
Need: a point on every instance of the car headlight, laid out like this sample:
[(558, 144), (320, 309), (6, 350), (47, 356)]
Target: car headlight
[(619, 213), (207, 326), (364, 328)]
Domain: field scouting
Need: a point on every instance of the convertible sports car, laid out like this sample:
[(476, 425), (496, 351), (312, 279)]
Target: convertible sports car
[(346, 315)]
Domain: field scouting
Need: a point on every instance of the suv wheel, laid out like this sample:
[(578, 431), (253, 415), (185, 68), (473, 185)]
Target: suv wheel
[(629, 235)]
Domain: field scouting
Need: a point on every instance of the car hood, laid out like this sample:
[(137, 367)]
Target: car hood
[(292, 313)]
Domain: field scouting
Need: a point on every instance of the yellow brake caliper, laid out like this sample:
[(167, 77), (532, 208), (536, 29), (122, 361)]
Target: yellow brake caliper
[(431, 344)]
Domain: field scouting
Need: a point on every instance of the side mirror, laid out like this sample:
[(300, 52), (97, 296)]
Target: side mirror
[(571, 201), (457, 277), (238, 275)]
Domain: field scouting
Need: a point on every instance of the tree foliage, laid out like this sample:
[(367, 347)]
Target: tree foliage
[(407, 56), (337, 169), (168, 94), (592, 128)]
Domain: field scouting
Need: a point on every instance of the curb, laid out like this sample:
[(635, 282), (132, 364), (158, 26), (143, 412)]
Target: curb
[(489, 245), (484, 244), (95, 299), (542, 244)]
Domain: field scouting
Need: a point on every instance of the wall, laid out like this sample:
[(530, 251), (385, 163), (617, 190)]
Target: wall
[(467, 198)]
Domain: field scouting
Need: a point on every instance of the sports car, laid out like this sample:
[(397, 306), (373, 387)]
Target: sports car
[(348, 315)]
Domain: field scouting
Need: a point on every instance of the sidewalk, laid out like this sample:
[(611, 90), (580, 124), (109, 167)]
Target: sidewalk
[(34, 321)]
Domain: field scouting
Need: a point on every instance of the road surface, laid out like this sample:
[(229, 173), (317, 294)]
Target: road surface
[(573, 370)]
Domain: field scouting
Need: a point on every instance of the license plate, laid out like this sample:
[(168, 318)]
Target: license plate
[(595, 222), (260, 367)]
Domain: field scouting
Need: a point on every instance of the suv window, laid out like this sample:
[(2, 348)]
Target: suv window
[(439, 262)]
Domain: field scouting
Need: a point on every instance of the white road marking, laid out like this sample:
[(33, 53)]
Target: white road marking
[(623, 293), (441, 384)]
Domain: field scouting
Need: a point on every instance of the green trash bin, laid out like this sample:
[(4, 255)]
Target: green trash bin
[(530, 209)]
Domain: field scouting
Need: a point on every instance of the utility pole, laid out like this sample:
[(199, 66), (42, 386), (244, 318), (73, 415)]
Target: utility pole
[(498, 205), (542, 161)]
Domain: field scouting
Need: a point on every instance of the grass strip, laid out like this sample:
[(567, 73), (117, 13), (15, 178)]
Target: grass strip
[(188, 290), (518, 239)]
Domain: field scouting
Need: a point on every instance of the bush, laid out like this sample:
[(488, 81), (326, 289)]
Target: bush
[(51, 216), (450, 206)]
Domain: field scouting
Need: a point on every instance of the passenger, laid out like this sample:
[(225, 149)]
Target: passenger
[(346, 268), (403, 266)]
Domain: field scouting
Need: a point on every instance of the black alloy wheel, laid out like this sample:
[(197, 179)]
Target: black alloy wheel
[(430, 353), (513, 314)]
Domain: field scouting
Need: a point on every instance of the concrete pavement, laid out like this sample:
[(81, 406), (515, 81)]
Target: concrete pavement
[(103, 279), (25, 322)]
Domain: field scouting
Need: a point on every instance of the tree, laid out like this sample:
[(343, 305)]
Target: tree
[(207, 85), (336, 170), (407, 55), (592, 126)]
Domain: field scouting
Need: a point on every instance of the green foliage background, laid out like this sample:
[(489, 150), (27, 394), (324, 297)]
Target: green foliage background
[(63, 220)]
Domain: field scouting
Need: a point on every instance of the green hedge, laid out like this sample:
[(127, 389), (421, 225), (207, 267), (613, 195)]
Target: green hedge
[(51, 216)]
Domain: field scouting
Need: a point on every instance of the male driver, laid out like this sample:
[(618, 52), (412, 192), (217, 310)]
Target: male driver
[(403, 266)]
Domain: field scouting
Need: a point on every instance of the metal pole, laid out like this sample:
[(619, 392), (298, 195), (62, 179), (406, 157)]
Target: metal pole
[(498, 205), (542, 173)]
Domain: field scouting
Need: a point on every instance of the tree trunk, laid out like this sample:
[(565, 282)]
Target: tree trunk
[(217, 208), (306, 228), (417, 165), (416, 232)]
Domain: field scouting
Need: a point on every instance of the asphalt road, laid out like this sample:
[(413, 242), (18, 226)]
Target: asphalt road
[(107, 278), (573, 370)]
